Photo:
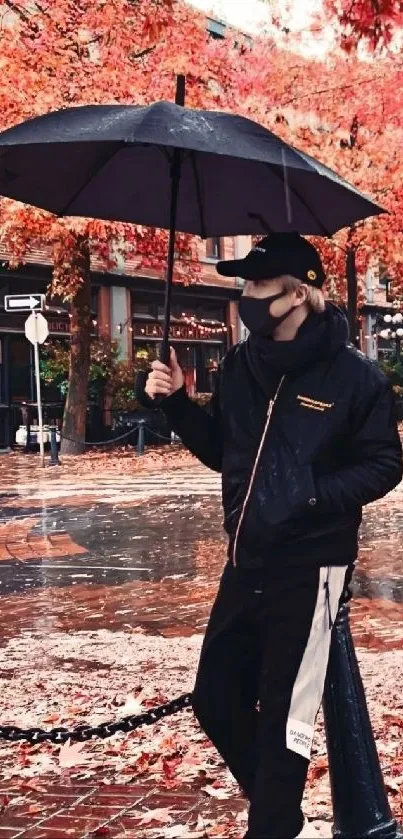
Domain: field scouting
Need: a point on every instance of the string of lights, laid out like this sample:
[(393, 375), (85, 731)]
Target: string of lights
[(53, 310), (204, 326)]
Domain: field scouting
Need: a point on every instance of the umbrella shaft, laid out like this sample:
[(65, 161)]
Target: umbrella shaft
[(175, 178)]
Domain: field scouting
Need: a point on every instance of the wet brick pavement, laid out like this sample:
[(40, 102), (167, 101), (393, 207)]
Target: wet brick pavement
[(113, 812)]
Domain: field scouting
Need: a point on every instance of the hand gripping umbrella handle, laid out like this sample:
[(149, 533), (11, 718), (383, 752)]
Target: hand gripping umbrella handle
[(140, 391)]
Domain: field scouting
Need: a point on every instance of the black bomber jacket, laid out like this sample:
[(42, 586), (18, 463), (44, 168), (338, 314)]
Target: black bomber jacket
[(297, 469)]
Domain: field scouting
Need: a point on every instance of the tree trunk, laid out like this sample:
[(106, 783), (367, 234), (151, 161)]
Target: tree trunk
[(75, 412)]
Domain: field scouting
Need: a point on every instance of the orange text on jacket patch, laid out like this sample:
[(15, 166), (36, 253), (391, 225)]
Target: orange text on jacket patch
[(314, 404)]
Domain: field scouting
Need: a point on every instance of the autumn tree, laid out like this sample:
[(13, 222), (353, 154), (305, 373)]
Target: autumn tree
[(347, 113), (369, 26), (373, 23), (344, 112), (57, 54)]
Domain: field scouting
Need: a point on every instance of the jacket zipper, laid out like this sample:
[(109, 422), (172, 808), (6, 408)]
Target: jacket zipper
[(255, 465)]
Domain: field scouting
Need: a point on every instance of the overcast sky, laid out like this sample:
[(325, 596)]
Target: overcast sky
[(252, 15)]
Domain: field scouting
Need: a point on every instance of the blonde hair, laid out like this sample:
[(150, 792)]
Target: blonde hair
[(314, 296)]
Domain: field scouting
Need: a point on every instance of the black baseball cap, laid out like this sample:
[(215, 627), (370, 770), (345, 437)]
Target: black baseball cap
[(277, 254)]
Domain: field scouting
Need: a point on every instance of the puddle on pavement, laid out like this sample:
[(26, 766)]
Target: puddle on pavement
[(156, 565), (116, 545)]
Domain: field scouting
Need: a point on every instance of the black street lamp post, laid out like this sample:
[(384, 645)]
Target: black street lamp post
[(360, 803), (394, 331)]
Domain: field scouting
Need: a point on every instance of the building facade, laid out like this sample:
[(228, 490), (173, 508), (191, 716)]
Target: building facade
[(127, 306)]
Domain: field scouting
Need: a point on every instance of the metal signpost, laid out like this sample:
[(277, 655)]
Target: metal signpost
[(37, 330)]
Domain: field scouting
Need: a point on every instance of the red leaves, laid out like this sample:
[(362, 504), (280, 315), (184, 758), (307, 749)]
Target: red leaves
[(318, 769), (4, 801), (373, 23), (393, 719), (80, 54), (169, 766)]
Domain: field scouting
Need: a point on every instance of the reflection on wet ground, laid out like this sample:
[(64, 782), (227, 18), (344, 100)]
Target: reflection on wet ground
[(107, 544), (115, 545), (380, 567), (155, 563)]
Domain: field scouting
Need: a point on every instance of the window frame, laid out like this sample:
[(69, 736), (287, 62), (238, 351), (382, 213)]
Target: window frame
[(217, 247)]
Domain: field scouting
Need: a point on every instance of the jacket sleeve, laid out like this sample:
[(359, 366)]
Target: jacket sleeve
[(198, 427), (377, 457)]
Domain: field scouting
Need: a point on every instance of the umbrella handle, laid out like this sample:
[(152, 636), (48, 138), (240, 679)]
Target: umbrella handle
[(165, 352)]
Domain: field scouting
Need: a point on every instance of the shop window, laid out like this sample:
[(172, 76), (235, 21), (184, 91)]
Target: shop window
[(20, 369), (94, 301), (216, 28), (213, 248), (212, 311), (145, 311), (209, 357)]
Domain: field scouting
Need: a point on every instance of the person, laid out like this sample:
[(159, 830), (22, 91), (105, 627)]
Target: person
[(302, 427)]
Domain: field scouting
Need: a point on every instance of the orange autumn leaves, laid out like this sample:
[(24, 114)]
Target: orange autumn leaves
[(342, 110)]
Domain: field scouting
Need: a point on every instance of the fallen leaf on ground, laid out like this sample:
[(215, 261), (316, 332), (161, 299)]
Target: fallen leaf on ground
[(52, 718), (217, 792), (71, 754), (318, 769), (393, 719), (392, 785), (34, 808), (170, 765), (162, 815), (132, 706)]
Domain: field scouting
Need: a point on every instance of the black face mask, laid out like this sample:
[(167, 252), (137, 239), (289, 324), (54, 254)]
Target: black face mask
[(255, 314)]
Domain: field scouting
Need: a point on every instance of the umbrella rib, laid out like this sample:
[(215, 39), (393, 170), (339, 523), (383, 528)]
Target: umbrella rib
[(199, 195), (273, 170), (108, 157)]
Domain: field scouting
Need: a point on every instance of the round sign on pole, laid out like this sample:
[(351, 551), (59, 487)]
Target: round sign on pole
[(36, 328)]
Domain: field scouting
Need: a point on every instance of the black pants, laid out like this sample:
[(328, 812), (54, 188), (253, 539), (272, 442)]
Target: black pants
[(262, 627)]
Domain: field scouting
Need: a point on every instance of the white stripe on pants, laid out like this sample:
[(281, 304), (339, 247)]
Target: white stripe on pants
[(308, 688)]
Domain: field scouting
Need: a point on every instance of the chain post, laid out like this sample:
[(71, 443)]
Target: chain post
[(54, 456), (141, 437)]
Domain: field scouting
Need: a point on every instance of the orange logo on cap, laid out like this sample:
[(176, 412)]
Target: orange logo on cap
[(311, 275)]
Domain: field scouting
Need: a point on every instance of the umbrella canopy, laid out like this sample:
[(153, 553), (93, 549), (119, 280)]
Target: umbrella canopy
[(115, 162)]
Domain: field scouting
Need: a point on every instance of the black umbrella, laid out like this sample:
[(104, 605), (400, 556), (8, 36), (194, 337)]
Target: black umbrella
[(164, 165)]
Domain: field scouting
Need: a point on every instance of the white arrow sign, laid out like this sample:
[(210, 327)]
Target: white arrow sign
[(30, 302), (24, 302)]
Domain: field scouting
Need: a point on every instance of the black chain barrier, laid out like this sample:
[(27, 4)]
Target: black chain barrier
[(83, 733), (160, 436), (101, 442), (116, 439)]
